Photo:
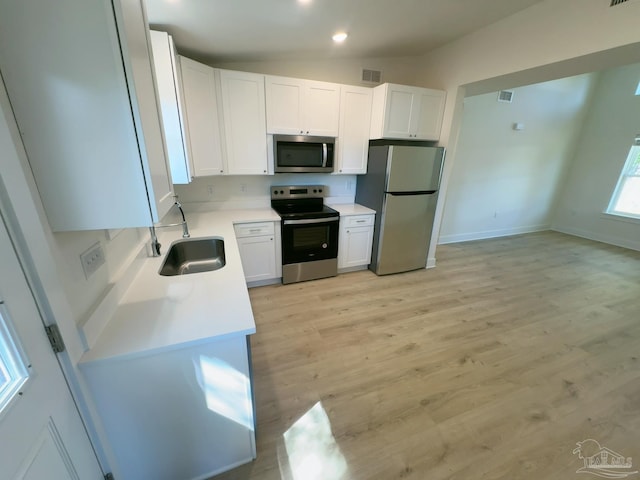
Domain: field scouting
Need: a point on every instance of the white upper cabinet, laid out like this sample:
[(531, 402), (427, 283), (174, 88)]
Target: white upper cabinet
[(404, 112), (202, 111), (243, 108), (302, 107), (170, 90), (353, 138), (81, 84)]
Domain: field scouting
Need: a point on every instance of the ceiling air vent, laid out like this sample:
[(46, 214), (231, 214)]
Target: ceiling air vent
[(505, 96), (617, 2), (371, 76)]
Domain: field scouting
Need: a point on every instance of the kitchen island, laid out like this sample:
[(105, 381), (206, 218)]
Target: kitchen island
[(170, 372)]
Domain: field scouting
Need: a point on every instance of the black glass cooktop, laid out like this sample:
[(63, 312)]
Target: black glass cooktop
[(307, 208)]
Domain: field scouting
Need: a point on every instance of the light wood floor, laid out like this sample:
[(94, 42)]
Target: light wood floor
[(490, 366)]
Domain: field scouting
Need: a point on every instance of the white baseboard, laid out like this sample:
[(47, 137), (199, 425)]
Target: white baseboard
[(599, 237), (431, 262), (262, 283), (352, 269), (467, 237)]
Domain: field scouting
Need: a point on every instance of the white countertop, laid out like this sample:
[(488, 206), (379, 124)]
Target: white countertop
[(158, 312), (349, 209)]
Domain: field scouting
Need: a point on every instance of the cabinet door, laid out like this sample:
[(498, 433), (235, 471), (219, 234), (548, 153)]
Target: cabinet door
[(353, 139), (203, 120), (245, 132), (427, 116), (182, 413), (284, 105), (63, 65), (355, 246), (400, 103), (321, 109), (258, 256), (135, 42), (164, 61)]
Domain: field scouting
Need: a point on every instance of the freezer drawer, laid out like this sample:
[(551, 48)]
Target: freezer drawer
[(405, 233)]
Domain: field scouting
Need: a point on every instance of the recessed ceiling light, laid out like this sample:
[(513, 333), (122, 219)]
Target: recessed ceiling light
[(305, 2), (340, 37)]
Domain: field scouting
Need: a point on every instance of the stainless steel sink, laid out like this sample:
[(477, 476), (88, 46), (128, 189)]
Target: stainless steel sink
[(194, 255)]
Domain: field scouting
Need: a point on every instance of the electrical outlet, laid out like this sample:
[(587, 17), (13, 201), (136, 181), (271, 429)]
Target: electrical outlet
[(210, 190), (243, 187), (92, 259)]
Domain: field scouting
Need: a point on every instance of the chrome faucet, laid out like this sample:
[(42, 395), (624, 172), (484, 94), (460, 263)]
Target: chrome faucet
[(155, 245)]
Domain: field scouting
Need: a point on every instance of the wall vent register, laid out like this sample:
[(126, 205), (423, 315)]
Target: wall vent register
[(617, 2), (505, 96), (371, 76)]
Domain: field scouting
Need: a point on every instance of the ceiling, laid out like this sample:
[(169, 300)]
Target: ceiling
[(235, 30)]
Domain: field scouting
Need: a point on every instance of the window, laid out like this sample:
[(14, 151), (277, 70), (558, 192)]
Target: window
[(13, 371), (626, 197)]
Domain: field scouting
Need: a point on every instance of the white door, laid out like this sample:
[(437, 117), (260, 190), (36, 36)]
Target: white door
[(41, 434)]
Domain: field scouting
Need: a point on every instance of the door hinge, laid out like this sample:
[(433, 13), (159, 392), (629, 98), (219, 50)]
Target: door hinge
[(55, 338), (108, 476)]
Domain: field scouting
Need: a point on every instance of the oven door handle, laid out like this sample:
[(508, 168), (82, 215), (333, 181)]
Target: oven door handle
[(325, 155), (311, 220)]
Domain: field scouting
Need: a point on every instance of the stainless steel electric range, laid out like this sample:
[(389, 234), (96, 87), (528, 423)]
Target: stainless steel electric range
[(309, 232)]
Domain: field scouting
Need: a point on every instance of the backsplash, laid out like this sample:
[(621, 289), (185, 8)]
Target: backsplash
[(253, 191)]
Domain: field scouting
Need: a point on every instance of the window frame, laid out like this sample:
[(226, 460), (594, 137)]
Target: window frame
[(627, 172), (13, 360)]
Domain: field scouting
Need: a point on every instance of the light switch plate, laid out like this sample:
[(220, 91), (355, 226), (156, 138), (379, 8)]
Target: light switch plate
[(92, 259)]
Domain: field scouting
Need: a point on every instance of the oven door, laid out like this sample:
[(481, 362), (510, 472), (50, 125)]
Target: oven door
[(309, 239)]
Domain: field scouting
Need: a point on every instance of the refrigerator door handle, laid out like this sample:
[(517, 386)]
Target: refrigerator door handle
[(422, 192)]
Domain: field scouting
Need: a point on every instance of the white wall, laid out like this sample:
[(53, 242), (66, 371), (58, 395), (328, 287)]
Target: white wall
[(550, 40), (612, 123), (402, 70), (505, 182), (83, 293), (253, 191)]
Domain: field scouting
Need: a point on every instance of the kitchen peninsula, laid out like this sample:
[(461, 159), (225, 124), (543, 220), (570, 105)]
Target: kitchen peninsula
[(170, 373)]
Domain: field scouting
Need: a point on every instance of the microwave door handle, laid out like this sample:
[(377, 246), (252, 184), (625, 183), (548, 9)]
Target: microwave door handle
[(324, 155)]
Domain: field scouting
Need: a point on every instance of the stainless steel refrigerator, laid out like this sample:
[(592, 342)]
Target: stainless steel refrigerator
[(401, 185)]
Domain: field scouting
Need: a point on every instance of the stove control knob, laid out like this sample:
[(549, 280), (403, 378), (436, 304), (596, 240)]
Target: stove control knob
[(320, 190), (275, 192), (281, 192), (315, 191)]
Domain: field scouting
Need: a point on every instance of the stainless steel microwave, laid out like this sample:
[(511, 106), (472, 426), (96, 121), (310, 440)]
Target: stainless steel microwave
[(303, 154)]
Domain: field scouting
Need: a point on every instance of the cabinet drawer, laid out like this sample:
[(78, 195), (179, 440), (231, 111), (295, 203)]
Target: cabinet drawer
[(253, 229), (358, 220)]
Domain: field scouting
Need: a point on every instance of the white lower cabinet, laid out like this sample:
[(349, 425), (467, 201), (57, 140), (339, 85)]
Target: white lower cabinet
[(355, 241), (182, 413), (259, 245)]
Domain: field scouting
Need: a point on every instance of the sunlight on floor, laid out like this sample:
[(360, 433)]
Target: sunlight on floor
[(227, 391), (312, 452)]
